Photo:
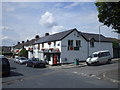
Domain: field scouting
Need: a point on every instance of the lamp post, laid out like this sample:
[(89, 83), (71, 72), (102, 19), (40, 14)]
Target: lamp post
[(119, 45), (99, 33)]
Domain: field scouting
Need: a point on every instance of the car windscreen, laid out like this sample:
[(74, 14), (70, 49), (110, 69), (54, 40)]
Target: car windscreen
[(95, 55), (17, 58), (34, 59), (23, 59)]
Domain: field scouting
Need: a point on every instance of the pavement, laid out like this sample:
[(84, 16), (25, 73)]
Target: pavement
[(112, 75)]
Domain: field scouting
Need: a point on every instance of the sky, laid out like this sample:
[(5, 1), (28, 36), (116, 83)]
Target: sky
[(25, 20)]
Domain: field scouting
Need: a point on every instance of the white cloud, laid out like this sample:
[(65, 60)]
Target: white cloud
[(3, 37), (10, 9), (72, 5), (8, 42), (56, 29), (6, 28), (58, 5), (47, 20), (22, 5)]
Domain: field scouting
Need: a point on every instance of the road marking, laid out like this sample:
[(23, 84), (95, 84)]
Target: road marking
[(113, 80), (75, 72)]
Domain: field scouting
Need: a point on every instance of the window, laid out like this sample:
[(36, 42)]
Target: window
[(38, 46), (102, 54), (54, 43), (95, 55), (78, 43), (92, 43), (70, 42), (42, 45)]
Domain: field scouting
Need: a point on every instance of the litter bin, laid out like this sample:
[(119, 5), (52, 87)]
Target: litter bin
[(76, 62)]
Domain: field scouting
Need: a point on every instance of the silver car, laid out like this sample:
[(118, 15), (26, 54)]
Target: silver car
[(16, 59), (100, 57), (22, 60)]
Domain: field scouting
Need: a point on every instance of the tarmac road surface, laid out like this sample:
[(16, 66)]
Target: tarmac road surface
[(28, 77)]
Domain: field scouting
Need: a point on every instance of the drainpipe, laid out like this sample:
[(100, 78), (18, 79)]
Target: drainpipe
[(88, 47), (118, 46)]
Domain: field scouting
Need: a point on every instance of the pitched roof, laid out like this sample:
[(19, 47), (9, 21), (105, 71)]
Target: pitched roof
[(54, 37), (61, 35), (28, 43), (18, 46), (5, 49), (89, 36), (114, 39)]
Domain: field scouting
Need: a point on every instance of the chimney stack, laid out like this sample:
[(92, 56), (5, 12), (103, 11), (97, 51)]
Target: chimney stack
[(46, 34), (27, 40), (22, 41), (18, 42), (37, 36)]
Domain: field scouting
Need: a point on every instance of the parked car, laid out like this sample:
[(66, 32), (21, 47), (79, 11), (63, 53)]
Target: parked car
[(16, 59), (4, 63), (22, 60), (35, 62), (100, 57)]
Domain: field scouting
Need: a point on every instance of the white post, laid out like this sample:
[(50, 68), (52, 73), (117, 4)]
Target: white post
[(99, 34)]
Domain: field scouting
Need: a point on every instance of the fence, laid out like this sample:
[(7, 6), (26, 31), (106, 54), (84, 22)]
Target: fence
[(116, 52)]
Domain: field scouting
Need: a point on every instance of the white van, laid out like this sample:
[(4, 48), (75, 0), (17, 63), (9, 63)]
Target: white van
[(100, 57)]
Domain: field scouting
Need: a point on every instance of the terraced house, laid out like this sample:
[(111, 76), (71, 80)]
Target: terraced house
[(28, 45), (66, 46)]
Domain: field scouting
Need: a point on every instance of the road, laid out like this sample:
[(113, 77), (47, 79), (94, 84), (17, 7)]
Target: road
[(28, 77)]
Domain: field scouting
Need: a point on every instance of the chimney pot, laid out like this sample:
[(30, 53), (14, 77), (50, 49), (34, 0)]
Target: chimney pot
[(27, 40), (18, 42), (46, 34), (22, 41), (37, 36)]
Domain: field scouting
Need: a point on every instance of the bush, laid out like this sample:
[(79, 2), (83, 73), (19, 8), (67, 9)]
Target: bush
[(23, 53), (7, 54)]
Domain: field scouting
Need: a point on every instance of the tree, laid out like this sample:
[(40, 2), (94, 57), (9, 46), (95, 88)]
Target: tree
[(115, 44), (109, 14), (23, 53)]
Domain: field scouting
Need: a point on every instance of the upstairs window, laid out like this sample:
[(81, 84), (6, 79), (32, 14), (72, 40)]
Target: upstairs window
[(92, 43), (42, 45), (38, 46), (54, 43), (70, 42), (78, 43)]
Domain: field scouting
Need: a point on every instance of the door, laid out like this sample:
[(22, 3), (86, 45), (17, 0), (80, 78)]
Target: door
[(101, 58)]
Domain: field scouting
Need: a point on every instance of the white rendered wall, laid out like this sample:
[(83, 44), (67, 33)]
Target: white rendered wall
[(101, 46), (81, 54)]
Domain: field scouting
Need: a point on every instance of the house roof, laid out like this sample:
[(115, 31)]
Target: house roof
[(61, 35), (89, 36), (5, 49), (28, 43), (54, 37), (18, 46), (114, 39)]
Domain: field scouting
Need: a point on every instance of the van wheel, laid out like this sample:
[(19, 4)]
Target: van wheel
[(109, 61), (97, 63), (87, 63)]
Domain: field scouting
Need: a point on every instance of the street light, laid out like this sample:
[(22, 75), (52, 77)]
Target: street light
[(99, 32), (119, 45)]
